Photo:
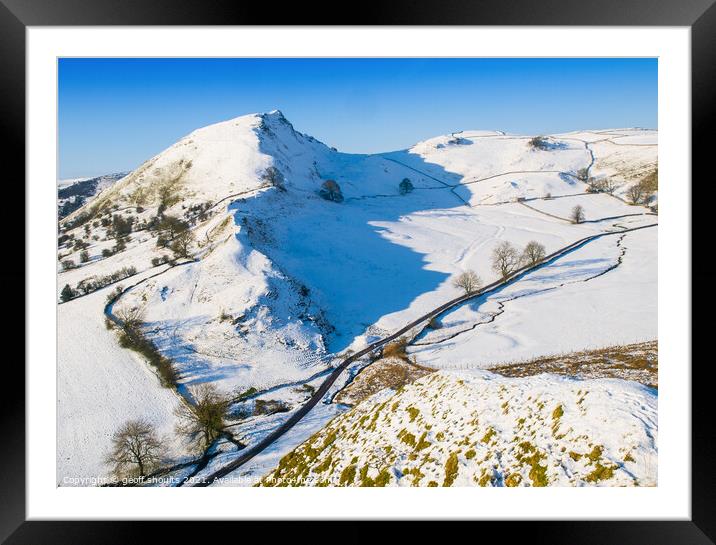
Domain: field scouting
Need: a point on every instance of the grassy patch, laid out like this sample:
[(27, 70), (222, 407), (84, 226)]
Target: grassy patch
[(488, 435), (451, 468), (638, 362), (364, 479), (347, 476), (396, 350), (513, 479), (383, 477), (406, 437), (413, 412), (600, 473), (422, 443), (529, 455)]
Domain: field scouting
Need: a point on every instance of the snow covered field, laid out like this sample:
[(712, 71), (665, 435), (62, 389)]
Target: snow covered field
[(99, 386), (604, 293), (286, 281), (596, 207)]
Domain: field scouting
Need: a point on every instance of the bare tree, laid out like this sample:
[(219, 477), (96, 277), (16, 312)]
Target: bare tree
[(533, 253), (273, 177), (136, 450), (609, 185), (646, 186), (468, 281), (577, 214), (182, 243), (505, 259), (594, 185), (635, 193), (203, 422), (583, 174), (170, 226), (131, 318)]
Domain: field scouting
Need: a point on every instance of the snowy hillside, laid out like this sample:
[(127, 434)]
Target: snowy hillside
[(468, 429), (245, 276), (100, 384), (76, 192)]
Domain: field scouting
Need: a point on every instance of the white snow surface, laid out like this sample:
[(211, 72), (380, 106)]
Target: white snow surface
[(578, 301)]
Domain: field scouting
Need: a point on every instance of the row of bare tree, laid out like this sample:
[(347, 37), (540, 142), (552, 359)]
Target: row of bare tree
[(506, 259), (138, 450)]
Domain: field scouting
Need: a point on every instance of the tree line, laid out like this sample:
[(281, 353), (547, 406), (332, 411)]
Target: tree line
[(506, 259)]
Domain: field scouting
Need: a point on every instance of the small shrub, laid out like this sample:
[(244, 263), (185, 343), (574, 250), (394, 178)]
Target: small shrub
[(121, 227), (434, 323), (540, 143), (405, 187), (120, 246), (650, 182), (331, 191), (67, 293), (246, 393), (396, 350)]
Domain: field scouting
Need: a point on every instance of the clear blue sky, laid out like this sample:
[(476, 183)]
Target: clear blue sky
[(116, 113)]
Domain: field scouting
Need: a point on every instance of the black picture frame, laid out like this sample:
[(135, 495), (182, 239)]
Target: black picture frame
[(699, 15)]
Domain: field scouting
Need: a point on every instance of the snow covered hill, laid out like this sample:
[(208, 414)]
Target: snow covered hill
[(249, 278), (76, 192), (475, 428)]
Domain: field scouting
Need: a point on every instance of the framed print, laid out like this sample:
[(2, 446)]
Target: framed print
[(413, 266)]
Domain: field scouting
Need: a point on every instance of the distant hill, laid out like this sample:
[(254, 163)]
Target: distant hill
[(75, 193)]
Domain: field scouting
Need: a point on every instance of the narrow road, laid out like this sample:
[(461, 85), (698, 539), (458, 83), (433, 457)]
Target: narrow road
[(330, 380)]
